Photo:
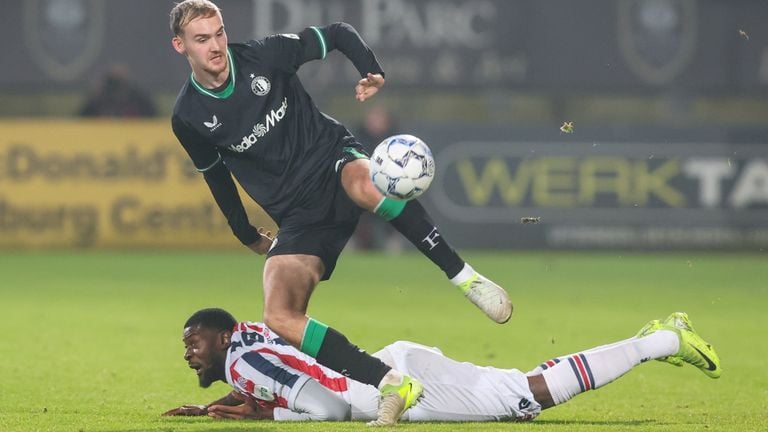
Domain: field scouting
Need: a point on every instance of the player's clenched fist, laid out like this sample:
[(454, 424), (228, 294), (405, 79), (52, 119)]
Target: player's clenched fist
[(264, 243)]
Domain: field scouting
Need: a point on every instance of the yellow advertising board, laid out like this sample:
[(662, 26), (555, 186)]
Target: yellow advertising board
[(112, 184)]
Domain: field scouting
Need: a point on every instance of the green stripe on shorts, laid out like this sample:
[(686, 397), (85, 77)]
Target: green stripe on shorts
[(355, 152)]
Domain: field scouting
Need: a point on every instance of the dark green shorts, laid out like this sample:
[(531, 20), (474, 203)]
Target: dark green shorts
[(325, 242), (327, 238), (349, 154)]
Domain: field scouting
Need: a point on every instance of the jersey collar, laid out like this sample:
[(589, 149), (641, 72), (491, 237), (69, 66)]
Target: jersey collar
[(228, 90)]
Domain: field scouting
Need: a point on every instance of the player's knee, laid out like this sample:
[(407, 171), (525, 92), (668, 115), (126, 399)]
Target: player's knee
[(540, 391), (340, 412), (357, 183), (282, 321), (314, 399)]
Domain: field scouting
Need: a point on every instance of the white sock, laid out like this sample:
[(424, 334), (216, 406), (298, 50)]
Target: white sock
[(551, 362), (392, 377), (594, 368), (464, 275)]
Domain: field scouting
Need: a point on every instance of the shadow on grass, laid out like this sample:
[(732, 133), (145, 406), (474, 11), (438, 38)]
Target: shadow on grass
[(198, 424), (638, 423), (182, 425), (249, 426)]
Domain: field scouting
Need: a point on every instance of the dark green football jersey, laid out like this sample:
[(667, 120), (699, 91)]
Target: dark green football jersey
[(264, 128)]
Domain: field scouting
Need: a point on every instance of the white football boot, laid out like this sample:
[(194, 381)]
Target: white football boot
[(489, 297)]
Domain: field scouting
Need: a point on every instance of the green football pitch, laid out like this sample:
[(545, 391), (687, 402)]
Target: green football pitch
[(92, 341)]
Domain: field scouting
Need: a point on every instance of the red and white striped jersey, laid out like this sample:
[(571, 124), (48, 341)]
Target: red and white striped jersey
[(261, 365)]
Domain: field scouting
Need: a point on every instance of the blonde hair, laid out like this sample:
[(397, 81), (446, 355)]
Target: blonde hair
[(187, 10)]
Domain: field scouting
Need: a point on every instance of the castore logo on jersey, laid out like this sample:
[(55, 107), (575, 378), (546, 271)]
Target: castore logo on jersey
[(213, 125)]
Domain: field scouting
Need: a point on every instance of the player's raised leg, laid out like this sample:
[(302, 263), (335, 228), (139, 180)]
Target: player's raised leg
[(288, 283), (558, 380), (412, 221)]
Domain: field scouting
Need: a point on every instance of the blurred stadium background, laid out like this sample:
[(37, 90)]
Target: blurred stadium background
[(667, 98), (669, 153)]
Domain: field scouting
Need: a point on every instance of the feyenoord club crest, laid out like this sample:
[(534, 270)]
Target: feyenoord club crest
[(64, 36), (657, 38), (260, 85)]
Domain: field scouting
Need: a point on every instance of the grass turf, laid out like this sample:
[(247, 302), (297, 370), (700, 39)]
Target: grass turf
[(92, 342)]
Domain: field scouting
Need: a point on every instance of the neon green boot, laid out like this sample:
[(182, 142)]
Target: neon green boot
[(395, 400)]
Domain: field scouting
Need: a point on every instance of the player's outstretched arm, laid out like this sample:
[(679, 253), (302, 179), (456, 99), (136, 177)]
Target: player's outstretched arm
[(246, 411), (232, 398), (209, 162), (187, 410), (317, 42), (315, 402)]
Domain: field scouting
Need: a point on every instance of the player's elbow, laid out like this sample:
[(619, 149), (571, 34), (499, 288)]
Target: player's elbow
[(341, 25), (340, 31)]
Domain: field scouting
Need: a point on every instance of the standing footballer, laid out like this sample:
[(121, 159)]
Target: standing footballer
[(243, 112)]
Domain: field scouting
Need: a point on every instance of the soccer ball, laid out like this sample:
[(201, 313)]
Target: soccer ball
[(402, 167)]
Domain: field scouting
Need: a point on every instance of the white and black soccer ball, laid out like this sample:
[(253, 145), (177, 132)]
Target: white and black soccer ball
[(402, 167)]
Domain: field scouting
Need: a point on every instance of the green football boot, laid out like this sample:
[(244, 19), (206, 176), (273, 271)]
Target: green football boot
[(693, 349), (652, 327)]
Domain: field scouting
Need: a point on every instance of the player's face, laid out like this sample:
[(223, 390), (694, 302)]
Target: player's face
[(204, 42), (205, 352)]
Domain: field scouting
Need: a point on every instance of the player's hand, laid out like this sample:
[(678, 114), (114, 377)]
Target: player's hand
[(368, 86), (246, 411), (188, 410), (265, 242)]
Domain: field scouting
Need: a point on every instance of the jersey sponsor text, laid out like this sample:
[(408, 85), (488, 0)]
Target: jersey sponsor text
[(261, 129)]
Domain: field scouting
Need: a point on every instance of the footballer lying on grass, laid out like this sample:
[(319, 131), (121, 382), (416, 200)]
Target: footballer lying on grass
[(273, 380)]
